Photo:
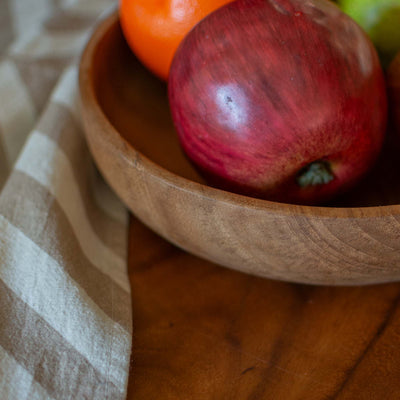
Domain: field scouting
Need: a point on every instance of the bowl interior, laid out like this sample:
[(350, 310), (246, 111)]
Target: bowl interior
[(136, 103)]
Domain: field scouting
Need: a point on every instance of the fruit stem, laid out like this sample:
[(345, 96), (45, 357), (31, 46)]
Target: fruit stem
[(316, 173)]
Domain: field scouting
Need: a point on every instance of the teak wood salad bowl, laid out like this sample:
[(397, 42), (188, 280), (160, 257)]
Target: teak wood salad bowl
[(131, 136)]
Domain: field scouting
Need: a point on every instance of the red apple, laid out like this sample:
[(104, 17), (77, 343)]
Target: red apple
[(279, 99)]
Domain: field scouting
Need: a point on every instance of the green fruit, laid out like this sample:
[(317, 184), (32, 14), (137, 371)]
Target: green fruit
[(381, 20)]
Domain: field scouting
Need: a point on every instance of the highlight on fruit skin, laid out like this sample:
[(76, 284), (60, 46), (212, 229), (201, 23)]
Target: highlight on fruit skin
[(262, 92)]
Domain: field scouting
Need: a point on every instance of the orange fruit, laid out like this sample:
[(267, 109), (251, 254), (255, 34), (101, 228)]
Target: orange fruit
[(154, 28)]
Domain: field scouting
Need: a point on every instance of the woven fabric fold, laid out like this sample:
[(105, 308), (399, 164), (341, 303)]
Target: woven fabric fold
[(65, 313)]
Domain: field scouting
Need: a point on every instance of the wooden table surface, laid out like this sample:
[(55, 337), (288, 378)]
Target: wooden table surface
[(201, 331)]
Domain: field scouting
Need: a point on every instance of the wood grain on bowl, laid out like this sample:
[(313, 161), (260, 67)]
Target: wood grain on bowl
[(133, 141)]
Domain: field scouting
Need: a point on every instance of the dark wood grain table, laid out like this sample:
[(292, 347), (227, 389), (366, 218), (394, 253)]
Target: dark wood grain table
[(201, 331)]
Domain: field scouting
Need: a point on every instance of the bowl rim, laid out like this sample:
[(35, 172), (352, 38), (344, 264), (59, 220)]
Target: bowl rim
[(140, 161)]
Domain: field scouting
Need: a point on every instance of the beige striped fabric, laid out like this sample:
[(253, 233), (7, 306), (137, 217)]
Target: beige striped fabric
[(65, 314)]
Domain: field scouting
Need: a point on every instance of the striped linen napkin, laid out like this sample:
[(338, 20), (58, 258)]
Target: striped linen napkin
[(65, 313)]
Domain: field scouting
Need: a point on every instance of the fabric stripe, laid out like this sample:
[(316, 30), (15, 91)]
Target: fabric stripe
[(38, 216), (17, 114), (108, 201), (112, 232), (57, 4), (42, 45), (65, 312), (66, 92), (65, 21), (89, 7), (58, 124), (40, 77), (66, 95), (28, 15), (4, 163), (56, 174), (60, 302), (20, 384), (6, 27), (53, 362)]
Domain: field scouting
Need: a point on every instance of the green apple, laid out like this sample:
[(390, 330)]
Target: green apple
[(381, 20)]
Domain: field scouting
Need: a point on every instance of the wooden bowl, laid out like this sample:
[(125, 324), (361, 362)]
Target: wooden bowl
[(355, 240)]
